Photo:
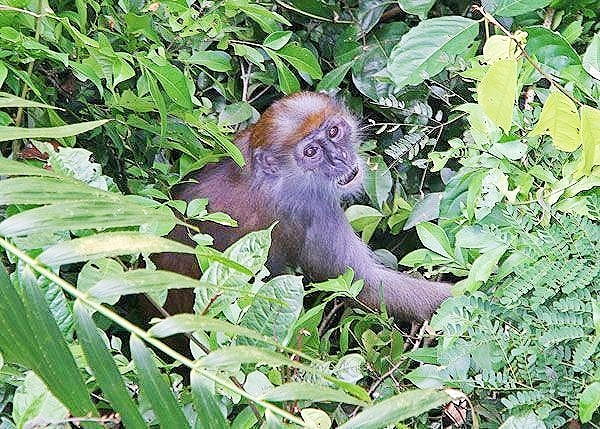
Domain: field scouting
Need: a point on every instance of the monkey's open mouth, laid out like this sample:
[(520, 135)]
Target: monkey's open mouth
[(347, 178)]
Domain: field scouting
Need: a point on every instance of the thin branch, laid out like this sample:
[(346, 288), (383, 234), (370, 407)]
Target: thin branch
[(521, 47)]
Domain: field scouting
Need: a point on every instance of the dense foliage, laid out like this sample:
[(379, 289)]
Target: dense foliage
[(481, 128)]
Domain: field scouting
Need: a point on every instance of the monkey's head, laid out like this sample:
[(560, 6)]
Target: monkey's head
[(309, 140)]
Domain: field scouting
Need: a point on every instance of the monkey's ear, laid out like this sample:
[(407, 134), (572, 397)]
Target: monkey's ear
[(266, 161)]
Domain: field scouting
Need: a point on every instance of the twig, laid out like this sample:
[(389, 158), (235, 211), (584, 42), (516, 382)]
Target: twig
[(548, 77), (336, 306), (310, 15)]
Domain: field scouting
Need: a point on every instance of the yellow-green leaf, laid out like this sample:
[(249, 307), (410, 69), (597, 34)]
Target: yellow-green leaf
[(559, 119), (499, 47), (590, 137), (497, 92)]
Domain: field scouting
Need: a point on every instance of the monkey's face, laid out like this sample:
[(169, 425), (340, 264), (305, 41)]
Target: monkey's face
[(327, 157)]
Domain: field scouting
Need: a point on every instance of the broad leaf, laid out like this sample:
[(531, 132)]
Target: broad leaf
[(559, 119), (497, 92), (430, 47), (397, 408)]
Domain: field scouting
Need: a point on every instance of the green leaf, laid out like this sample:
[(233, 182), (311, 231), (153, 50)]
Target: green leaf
[(266, 19), (207, 404), (287, 81), (481, 269), (9, 100), (301, 391), (174, 82), (416, 7), (517, 7), (16, 133), (591, 57), (361, 216), (429, 376), (71, 216), (250, 251), (334, 77), (276, 308), (48, 190), (552, 51), (155, 389), (3, 74), (429, 48), (559, 119), (218, 61), (104, 369), (378, 180), (131, 282), (589, 401), (301, 59), (108, 244), (277, 39), (397, 408), (251, 54), (529, 420), (181, 323), (235, 113), (423, 257), (434, 238), (158, 98), (426, 209), (30, 336), (497, 92), (590, 137), (33, 401)]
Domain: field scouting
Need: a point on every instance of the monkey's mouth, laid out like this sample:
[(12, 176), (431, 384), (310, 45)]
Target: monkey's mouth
[(349, 177)]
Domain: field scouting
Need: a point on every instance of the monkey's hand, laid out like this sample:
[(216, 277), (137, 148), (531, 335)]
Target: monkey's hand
[(407, 298)]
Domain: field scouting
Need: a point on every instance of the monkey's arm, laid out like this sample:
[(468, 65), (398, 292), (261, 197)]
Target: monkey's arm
[(407, 298)]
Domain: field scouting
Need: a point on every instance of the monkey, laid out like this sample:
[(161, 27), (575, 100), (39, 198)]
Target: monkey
[(301, 162)]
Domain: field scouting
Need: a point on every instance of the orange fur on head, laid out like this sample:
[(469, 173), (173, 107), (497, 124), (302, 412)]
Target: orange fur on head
[(292, 118)]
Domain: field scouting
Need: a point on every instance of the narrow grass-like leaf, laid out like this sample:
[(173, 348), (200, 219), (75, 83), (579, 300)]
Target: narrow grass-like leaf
[(236, 355), (181, 323), (311, 392), (397, 409), (72, 216), (206, 404), (140, 281), (15, 133), (109, 244), (155, 389), (11, 100), (8, 167), (50, 190), (55, 363), (103, 366)]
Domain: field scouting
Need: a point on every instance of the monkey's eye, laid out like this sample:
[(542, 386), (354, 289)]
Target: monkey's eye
[(310, 151), (333, 131)]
